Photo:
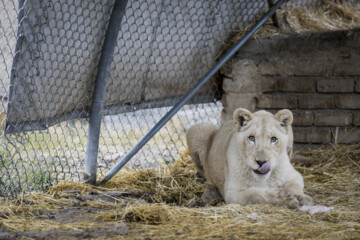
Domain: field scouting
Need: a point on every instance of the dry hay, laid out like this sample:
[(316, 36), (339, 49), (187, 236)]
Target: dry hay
[(166, 204), (329, 16)]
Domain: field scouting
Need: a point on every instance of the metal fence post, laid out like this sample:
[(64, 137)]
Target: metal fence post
[(274, 17), (191, 93), (106, 58)]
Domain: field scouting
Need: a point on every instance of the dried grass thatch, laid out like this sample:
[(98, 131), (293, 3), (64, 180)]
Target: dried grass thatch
[(166, 205), (329, 16)]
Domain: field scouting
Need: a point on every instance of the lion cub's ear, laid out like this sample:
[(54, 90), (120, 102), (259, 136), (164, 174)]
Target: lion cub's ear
[(285, 117), (241, 117)]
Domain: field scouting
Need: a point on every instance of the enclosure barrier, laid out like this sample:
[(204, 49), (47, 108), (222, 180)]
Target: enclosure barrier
[(50, 53)]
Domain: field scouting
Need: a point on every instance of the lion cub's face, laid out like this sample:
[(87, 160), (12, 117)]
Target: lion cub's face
[(262, 137)]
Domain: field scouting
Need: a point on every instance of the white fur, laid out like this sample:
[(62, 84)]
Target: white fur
[(227, 157)]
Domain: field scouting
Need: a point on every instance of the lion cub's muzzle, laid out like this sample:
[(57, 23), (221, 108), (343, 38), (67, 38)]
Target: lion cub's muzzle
[(264, 167)]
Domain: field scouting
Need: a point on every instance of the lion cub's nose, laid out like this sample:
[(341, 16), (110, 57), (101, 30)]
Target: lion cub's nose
[(260, 162)]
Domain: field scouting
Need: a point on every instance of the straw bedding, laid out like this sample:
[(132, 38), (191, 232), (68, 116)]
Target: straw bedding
[(167, 204), (331, 15)]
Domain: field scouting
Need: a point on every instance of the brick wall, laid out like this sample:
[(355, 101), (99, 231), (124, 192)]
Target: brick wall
[(315, 75)]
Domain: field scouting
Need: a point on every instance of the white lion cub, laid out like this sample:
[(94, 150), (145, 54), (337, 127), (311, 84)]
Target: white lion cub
[(248, 159)]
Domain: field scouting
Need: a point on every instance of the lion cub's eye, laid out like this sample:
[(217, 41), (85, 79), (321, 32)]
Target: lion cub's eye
[(273, 140), (251, 138)]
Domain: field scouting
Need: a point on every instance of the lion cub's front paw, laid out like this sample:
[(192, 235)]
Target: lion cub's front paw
[(211, 196), (305, 200), (288, 199)]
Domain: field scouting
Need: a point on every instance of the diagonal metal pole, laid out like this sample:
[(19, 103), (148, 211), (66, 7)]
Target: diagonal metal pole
[(97, 106), (190, 94)]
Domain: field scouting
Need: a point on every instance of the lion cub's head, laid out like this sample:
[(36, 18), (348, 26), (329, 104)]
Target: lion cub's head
[(264, 139)]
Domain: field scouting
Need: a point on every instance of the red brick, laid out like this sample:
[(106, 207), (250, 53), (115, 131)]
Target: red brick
[(268, 85), (251, 84), (348, 102), (357, 85), (303, 118), (297, 85), (232, 101), (351, 135), (277, 101), (316, 101), (333, 119), (311, 135), (268, 68), (357, 119), (299, 65), (347, 66), (335, 85)]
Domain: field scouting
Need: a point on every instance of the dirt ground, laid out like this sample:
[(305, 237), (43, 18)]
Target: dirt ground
[(148, 204)]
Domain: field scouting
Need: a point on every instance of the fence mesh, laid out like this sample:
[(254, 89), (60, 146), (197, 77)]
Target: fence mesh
[(49, 51)]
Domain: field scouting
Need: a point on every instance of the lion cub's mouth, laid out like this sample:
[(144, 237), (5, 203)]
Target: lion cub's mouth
[(263, 169)]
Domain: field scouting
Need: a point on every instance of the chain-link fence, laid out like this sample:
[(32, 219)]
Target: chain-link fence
[(48, 64)]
